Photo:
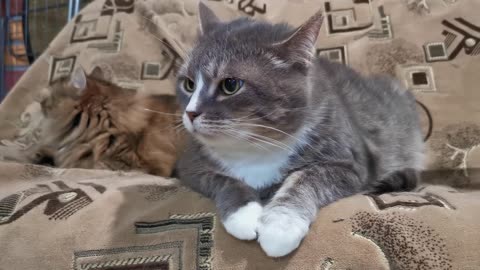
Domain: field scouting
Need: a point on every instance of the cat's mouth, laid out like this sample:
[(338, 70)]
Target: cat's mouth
[(200, 129)]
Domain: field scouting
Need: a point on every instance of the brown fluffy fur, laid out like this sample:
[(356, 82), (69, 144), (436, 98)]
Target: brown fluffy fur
[(108, 127)]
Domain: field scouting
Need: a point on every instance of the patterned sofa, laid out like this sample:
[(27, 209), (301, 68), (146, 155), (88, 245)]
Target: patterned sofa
[(53, 218)]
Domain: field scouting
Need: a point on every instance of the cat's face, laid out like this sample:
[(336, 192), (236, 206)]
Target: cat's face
[(244, 81), (90, 123), (239, 91)]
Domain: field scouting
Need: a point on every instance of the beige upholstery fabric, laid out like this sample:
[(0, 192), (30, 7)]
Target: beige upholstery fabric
[(56, 219), (86, 219)]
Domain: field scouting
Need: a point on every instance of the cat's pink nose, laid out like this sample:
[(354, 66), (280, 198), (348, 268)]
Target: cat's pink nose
[(192, 115)]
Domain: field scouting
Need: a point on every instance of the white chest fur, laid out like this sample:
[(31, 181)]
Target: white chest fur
[(256, 170), (255, 167)]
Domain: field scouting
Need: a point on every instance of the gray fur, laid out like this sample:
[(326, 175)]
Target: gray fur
[(360, 134)]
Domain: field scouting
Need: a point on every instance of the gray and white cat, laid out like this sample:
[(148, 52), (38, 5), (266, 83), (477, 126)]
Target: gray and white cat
[(277, 134)]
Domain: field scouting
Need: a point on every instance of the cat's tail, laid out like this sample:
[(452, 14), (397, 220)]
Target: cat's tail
[(398, 181)]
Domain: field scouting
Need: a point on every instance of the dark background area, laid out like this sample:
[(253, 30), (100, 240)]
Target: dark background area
[(26, 29)]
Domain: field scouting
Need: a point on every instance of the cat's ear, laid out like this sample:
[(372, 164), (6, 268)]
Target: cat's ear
[(208, 20), (300, 46), (78, 79)]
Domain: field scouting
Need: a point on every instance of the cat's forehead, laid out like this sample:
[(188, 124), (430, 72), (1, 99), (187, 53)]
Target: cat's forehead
[(222, 65), (232, 45), (211, 56)]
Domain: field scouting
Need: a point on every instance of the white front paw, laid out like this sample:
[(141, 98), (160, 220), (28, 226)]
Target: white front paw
[(243, 223), (280, 233)]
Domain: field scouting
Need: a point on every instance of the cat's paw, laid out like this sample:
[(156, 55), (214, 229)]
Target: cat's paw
[(280, 233), (243, 223)]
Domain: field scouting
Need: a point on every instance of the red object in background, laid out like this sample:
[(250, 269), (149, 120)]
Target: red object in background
[(11, 78), (15, 7)]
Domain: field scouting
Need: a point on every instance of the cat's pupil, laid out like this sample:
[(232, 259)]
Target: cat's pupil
[(189, 85), (231, 85)]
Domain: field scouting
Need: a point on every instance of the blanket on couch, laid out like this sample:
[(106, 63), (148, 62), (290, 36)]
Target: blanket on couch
[(89, 219)]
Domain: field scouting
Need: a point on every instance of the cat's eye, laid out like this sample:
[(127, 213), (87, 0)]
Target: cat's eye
[(188, 85), (230, 86)]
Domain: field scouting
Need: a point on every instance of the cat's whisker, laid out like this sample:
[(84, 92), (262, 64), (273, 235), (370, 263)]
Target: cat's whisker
[(271, 128), (266, 140), (289, 148), (303, 142), (173, 126), (154, 111), (213, 125), (217, 122), (179, 127), (236, 136), (179, 131), (243, 117), (239, 133), (260, 117), (285, 146), (268, 143), (251, 119)]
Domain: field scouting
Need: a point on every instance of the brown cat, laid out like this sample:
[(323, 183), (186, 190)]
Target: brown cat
[(91, 123)]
